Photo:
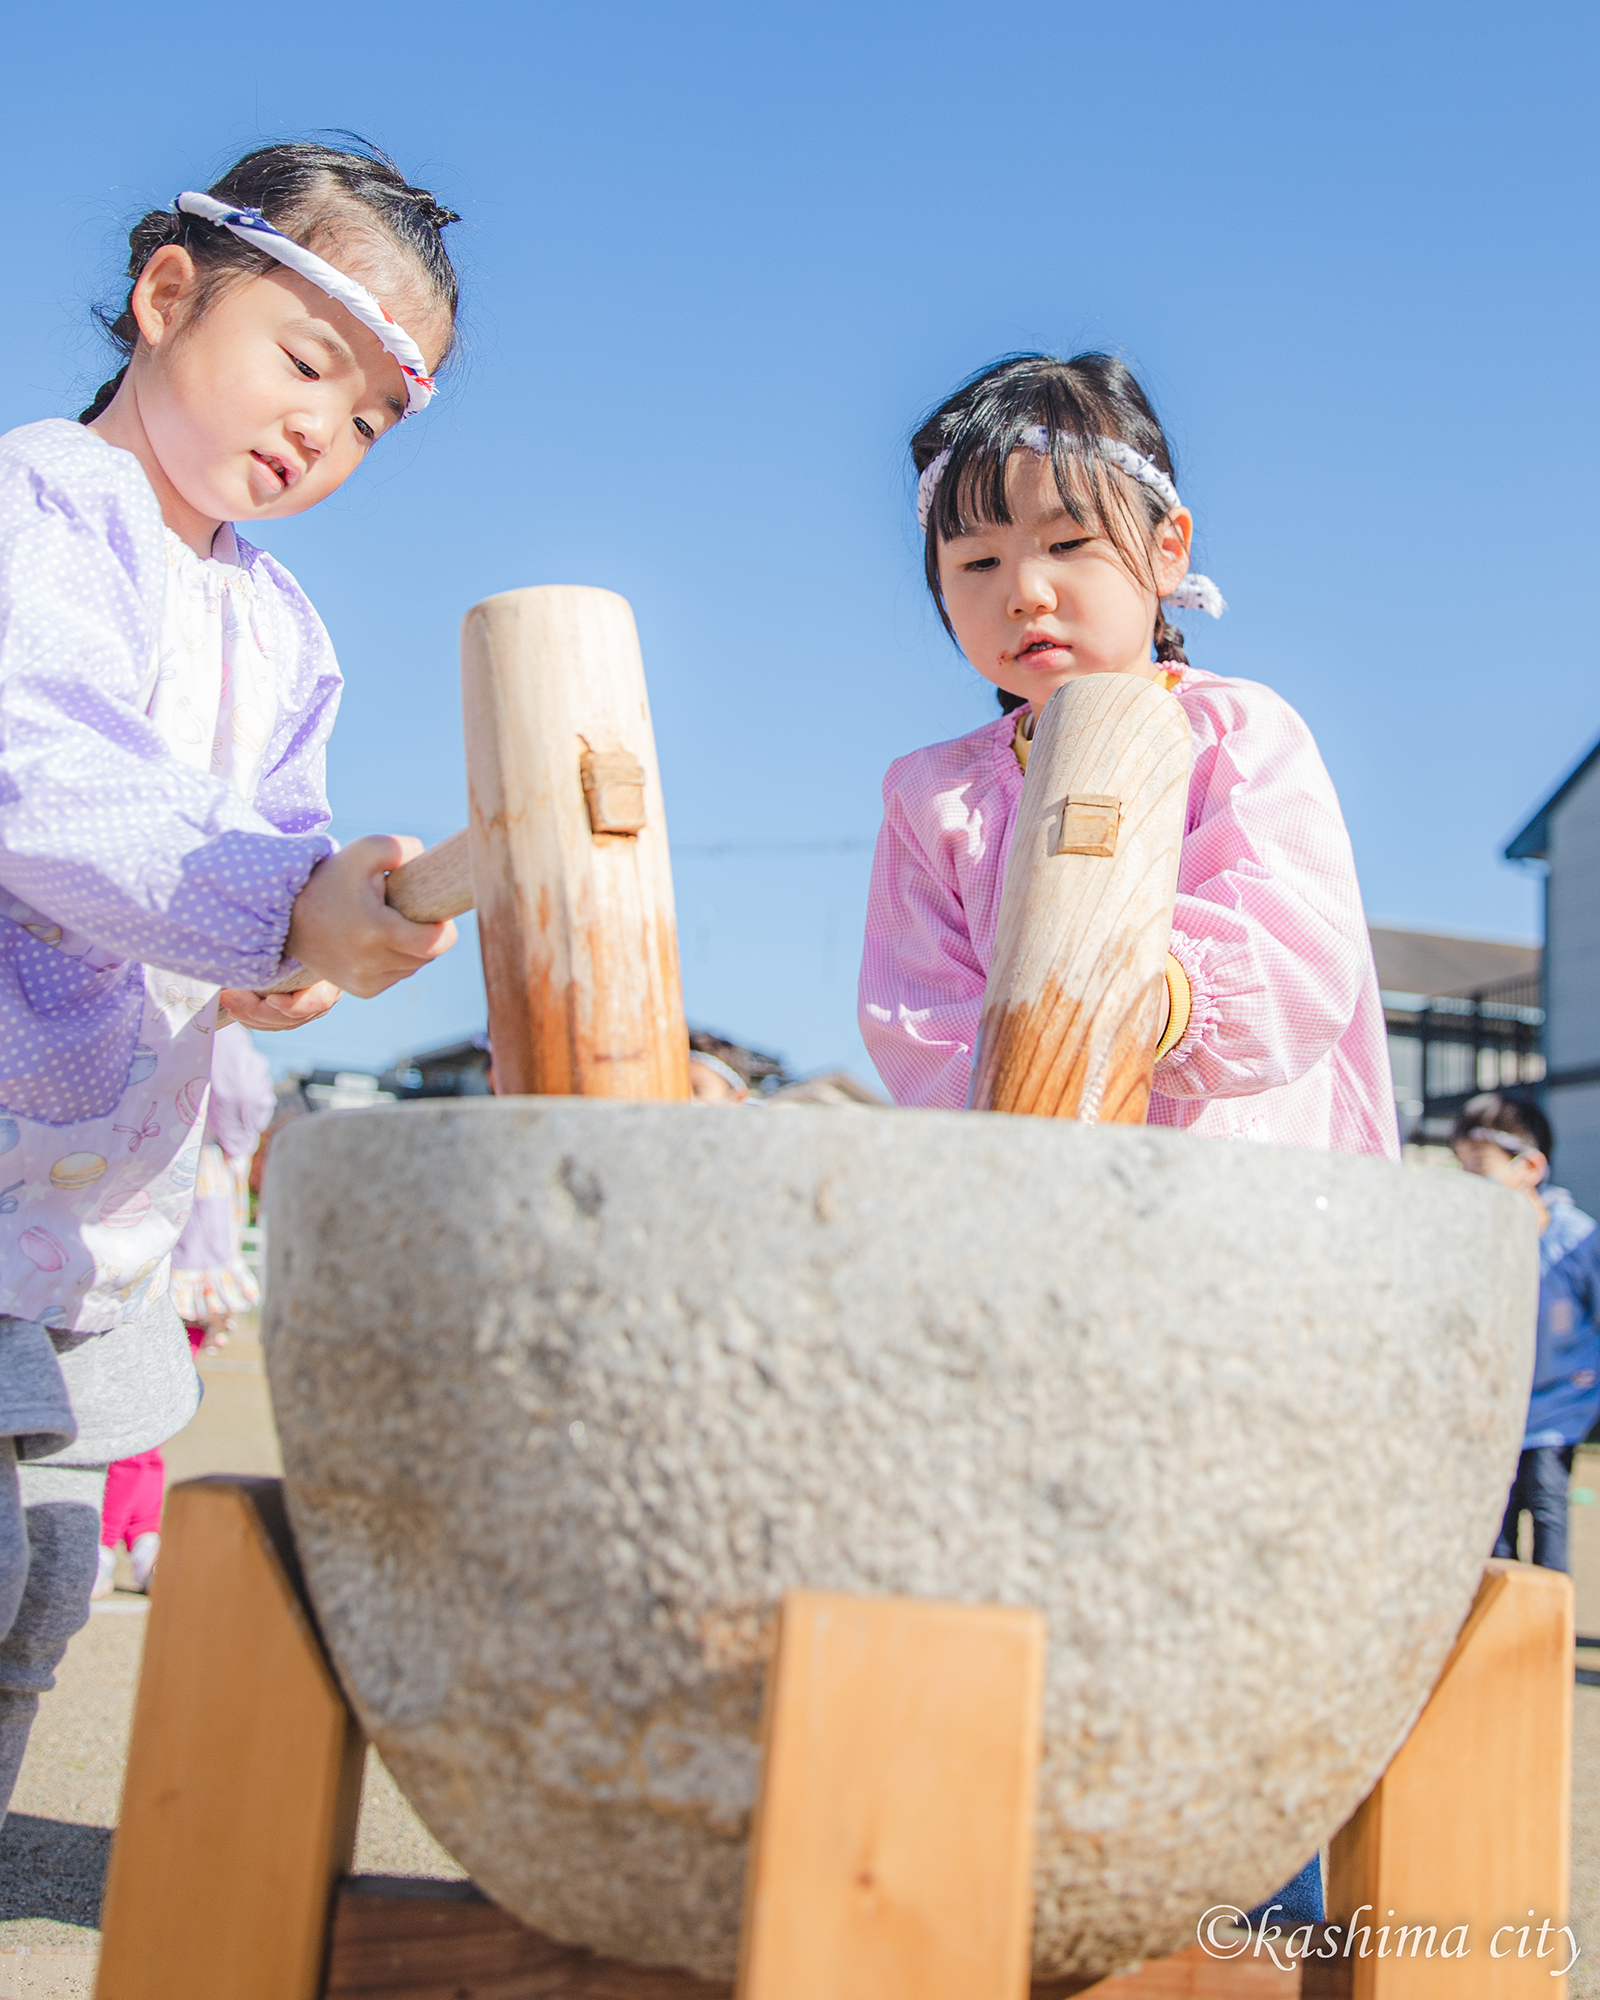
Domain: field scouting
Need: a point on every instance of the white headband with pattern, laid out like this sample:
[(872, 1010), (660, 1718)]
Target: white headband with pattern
[(253, 227), (1506, 1141), (1194, 593)]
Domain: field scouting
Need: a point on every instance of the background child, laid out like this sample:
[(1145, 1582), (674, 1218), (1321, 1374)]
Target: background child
[(166, 693), (1508, 1139), (210, 1283), (1054, 535)]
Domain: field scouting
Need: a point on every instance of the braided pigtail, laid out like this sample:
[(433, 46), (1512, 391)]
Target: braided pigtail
[(103, 397), (1169, 642)]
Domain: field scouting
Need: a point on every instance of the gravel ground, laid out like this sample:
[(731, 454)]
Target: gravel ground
[(53, 1847)]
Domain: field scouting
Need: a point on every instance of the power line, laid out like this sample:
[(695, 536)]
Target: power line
[(718, 850)]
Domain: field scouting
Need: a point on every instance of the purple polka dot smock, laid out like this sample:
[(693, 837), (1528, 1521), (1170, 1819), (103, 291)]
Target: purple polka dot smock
[(163, 722)]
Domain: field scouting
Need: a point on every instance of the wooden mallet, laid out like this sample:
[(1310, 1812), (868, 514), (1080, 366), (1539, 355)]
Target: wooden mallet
[(566, 857), (1073, 1005)]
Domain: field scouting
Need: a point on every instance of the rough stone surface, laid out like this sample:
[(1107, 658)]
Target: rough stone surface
[(570, 1392)]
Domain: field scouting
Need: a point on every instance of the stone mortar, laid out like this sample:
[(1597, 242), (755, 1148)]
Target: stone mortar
[(571, 1391)]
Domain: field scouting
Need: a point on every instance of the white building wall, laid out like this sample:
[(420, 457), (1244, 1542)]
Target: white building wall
[(1575, 1114), (1572, 986)]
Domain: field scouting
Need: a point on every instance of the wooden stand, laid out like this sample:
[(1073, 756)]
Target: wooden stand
[(244, 1768), (892, 1853)]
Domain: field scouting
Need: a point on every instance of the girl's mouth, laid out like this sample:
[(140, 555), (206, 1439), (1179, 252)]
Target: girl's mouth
[(1038, 645), (283, 473)]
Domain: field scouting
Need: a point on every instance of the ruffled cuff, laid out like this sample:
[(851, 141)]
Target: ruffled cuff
[(1197, 958)]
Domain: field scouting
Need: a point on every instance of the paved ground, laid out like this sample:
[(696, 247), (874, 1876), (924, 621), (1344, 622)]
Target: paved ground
[(54, 1845)]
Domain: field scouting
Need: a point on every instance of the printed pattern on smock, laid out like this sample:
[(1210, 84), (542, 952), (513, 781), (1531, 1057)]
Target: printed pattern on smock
[(1286, 1042), (163, 720)]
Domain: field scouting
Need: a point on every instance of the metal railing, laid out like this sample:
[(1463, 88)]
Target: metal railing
[(1445, 1048)]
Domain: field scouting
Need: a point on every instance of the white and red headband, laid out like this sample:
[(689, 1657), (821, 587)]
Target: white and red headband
[(253, 227), (1194, 593)]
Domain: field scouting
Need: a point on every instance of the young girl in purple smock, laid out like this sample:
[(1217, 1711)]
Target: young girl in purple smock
[(166, 693)]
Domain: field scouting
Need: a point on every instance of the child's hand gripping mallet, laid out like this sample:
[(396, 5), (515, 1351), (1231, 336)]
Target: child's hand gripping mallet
[(1075, 1000)]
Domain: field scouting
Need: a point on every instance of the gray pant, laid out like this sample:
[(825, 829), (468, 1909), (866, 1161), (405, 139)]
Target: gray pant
[(128, 1389), (49, 1551)]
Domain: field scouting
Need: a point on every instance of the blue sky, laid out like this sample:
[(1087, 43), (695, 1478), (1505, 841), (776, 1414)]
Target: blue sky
[(718, 260)]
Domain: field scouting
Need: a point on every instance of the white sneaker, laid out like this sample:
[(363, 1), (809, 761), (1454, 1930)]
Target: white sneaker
[(142, 1555), (103, 1582)]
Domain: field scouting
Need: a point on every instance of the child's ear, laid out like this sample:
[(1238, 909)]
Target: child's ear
[(1173, 539), (161, 291)]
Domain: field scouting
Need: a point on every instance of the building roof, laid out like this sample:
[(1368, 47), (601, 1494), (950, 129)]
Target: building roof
[(1533, 842), (452, 1052), (834, 1086), (1430, 962)]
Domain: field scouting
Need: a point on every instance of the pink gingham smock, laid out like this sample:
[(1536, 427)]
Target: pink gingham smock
[(1286, 1042)]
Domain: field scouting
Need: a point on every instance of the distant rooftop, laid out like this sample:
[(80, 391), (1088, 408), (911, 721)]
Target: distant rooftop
[(1433, 963), (1533, 842)]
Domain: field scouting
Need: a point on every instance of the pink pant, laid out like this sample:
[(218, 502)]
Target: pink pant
[(132, 1507), (135, 1486)]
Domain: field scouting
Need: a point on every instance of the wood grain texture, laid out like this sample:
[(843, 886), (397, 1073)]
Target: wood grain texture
[(244, 1768), (893, 1845), (400, 1939), (406, 1938), (1195, 1975), (1470, 1823), (1075, 997), (579, 939)]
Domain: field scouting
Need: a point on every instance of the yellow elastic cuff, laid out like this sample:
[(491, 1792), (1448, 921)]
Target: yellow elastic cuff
[(1022, 739), (1180, 1001)]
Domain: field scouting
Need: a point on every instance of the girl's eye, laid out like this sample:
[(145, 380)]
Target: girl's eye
[(365, 429), (1066, 548), (310, 374), (983, 562)]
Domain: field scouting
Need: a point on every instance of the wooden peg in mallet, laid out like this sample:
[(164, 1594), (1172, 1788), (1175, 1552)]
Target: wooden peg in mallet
[(1076, 994)]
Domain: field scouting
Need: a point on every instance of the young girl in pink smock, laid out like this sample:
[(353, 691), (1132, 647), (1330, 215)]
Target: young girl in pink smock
[(1055, 542)]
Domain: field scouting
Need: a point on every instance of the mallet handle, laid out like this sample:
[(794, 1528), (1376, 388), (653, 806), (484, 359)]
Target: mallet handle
[(436, 885), (1074, 1002)]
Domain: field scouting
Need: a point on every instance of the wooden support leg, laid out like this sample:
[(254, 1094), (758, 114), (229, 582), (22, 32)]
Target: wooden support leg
[(244, 1769), (893, 1851), (892, 1854), (1465, 1839)]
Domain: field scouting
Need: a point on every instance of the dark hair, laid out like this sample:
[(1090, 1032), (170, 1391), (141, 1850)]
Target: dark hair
[(306, 190), (1517, 1116), (1076, 402)]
